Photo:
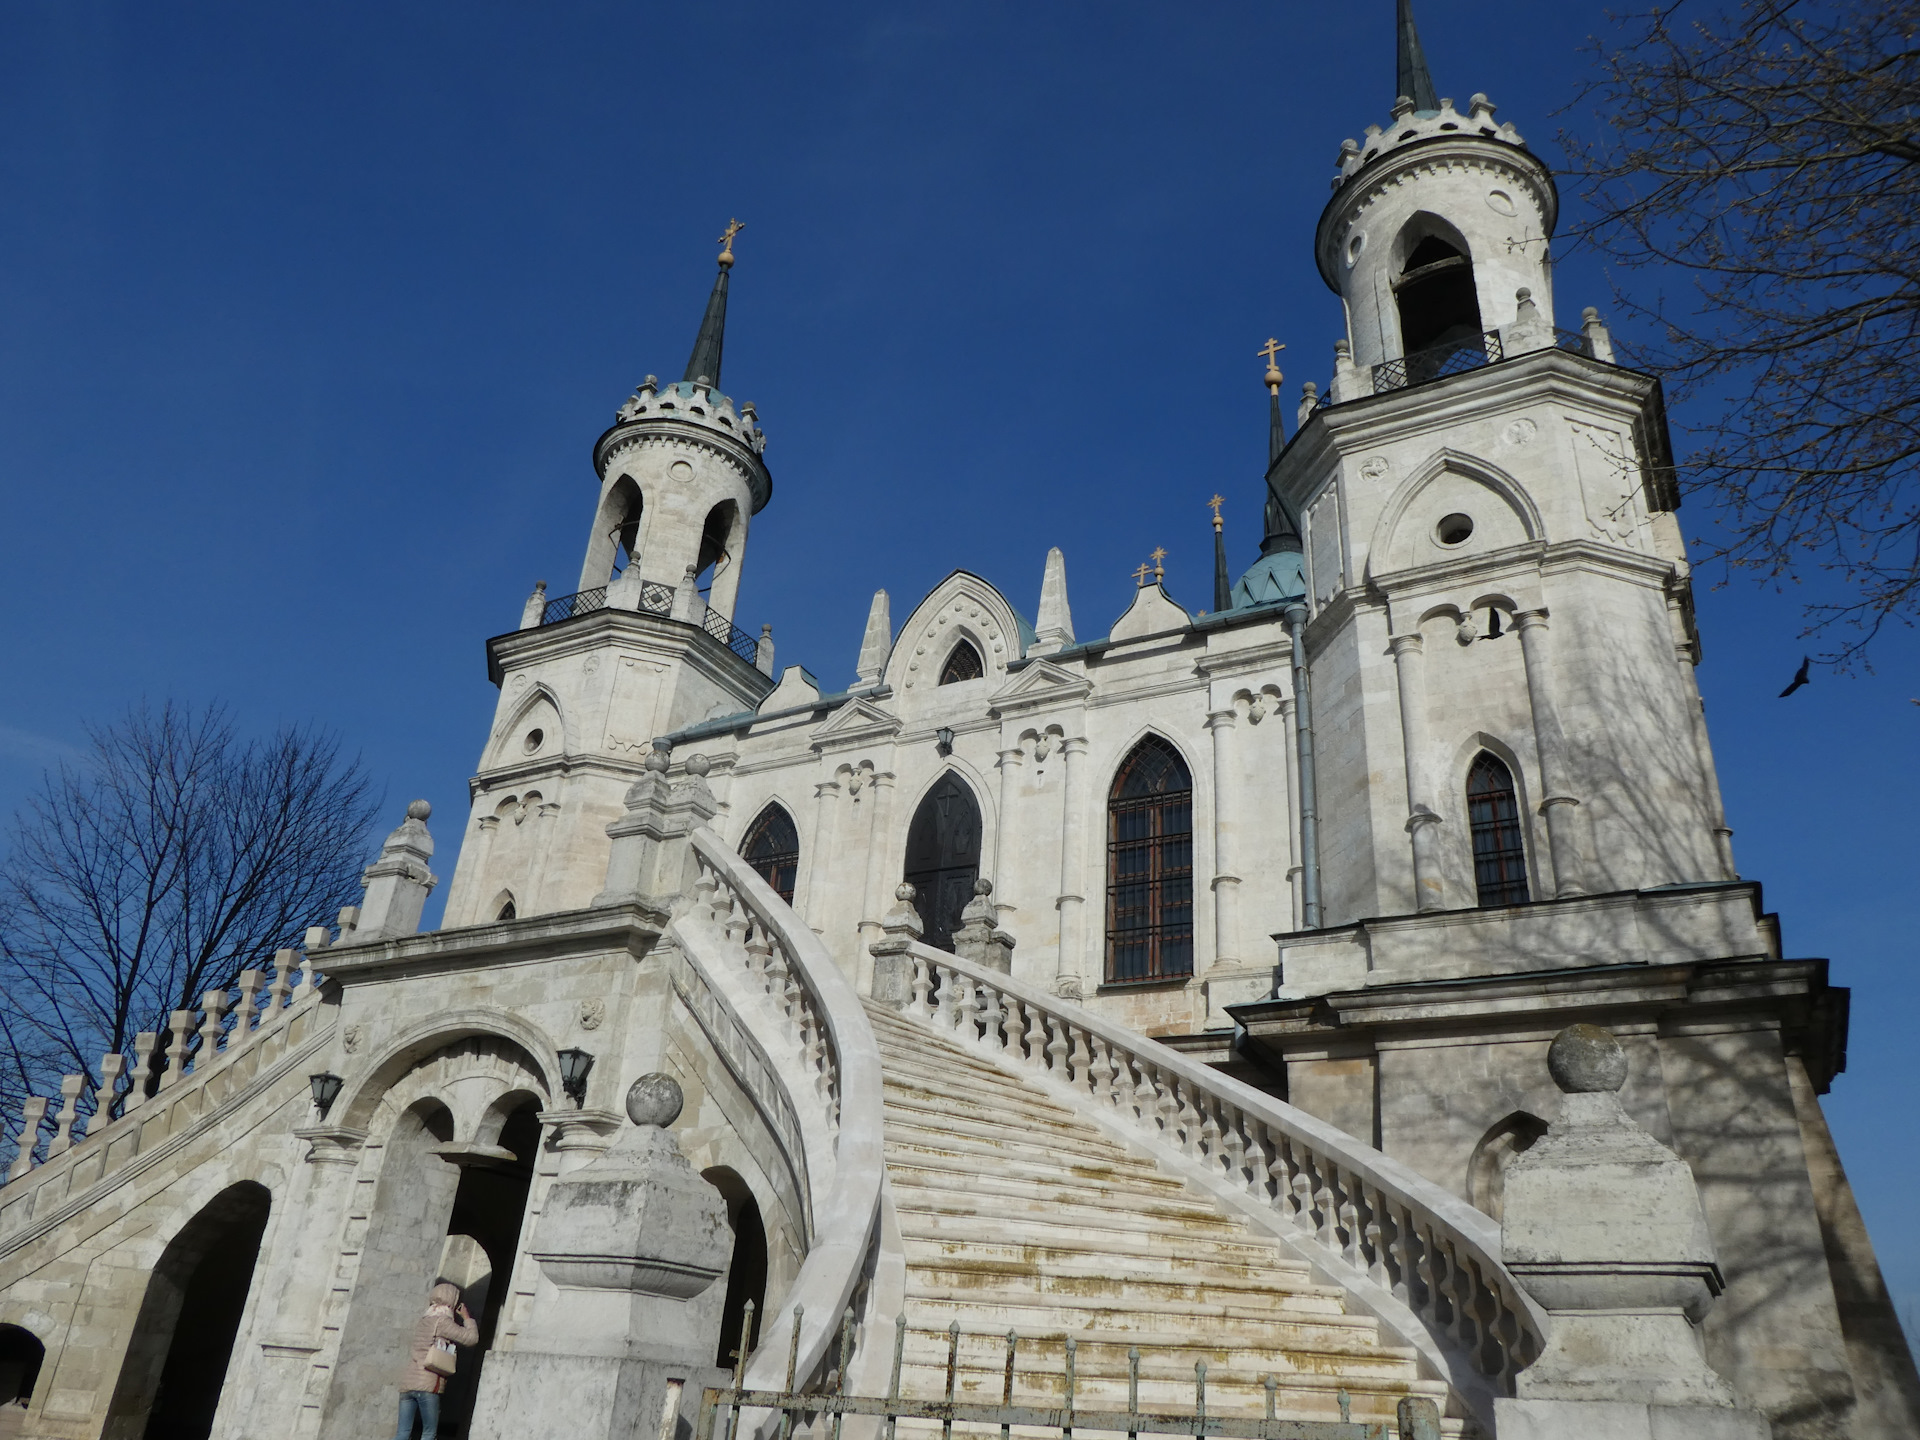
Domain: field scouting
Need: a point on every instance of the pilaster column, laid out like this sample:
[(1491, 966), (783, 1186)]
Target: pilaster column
[(1423, 821), (1226, 882), (881, 876), (333, 1153), (486, 828), (1295, 890), (543, 821), (1068, 981), (1559, 804), (826, 797), (1010, 762)]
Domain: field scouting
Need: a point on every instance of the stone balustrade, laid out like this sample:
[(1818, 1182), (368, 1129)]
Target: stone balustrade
[(734, 925), (203, 1057), (1421, 1260)]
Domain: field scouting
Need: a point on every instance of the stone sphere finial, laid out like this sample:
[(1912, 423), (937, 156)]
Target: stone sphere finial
[(1584, 1059), (658, 761), (983, 886), (904, 892), (698, 766), (418, 810), (1523, 294), (655, 1099)]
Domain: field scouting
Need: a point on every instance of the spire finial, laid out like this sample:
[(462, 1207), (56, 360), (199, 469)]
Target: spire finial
[(1216, 502), (734, 227), (1140, 575), (1222, 582), (703, 366), (1271, 350), (1411, 77), (1159, 570)]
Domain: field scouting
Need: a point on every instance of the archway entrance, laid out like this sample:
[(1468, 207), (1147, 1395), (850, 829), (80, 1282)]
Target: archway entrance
[(176, 1362), (20, 1355), (746, 1268), (483, 1233), (943, 857)]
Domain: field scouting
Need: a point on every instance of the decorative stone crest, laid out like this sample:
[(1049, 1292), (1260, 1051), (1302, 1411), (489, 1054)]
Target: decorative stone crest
[(593, 1012)]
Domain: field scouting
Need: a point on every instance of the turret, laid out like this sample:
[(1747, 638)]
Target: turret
[(1437, 221), (680, 473)]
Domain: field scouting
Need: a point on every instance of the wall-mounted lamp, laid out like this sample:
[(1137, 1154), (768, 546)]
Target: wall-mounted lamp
[(944, 740), (326, 1089), (574, 1065)]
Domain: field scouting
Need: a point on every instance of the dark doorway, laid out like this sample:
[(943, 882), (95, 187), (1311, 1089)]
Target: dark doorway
[(746, 1271), (943, 857), (176, 1362), (488, 1209), (20, 1355), (1438, 302)]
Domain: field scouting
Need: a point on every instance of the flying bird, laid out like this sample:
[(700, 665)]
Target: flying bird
[(1799, 677)]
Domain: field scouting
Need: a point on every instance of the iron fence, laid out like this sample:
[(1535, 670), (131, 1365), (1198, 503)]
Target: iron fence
[(746, 646), (822, 1412), (655, 598), (1437, 363), (567, 606), (1574, 340)]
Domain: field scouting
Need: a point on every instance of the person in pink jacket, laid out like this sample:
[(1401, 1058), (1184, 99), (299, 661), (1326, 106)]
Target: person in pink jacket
[(444, 1320)]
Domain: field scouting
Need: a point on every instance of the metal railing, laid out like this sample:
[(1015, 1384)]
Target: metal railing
[(1418, 1418), (746, 646), (582, 602), (1573, 340), (1437, 362), (1422, 1260)]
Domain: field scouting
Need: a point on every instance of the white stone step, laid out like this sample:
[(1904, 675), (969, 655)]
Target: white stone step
[(1085, 1276)]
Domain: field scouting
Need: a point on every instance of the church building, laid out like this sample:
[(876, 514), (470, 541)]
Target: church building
[(1347, 989)]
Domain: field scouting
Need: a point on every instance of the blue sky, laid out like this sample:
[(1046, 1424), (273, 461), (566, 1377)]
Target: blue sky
[(310, 315)]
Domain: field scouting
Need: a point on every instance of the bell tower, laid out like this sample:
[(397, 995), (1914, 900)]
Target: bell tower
[(645, 645)]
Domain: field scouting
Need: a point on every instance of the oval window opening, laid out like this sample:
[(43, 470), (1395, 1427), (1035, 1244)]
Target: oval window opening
[(533, 740), (1453, 529)]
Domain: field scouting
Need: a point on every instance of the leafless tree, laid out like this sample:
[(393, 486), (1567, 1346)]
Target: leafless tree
[(1768, 156), (176, 856)]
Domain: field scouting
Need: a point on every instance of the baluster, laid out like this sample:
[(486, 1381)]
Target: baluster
[(991, 1017), (797, 1017), (277, 992), (244, 1014), (776, 976), (111, 1068), (306, 985), (70, 1088), (1014, 1023), (704, 886), (1323, 1206), (143, 1047), (1210, 1133), (943, 1007), (1349, 1222), (1079, 1057), (1167, 1106), (1188, 1119), (1302, 1189), (1101, 1071), (1271, 1179), (1405, 1247), (1057, 1047), (214, 1003), (1432, 1268), (1036, 1037), (1233, 1145), (180, 1026), (1375, 1233), (739, 925), (32, 1111), (968, 1009), (1146, 1099), (759, 952), (922, 983)]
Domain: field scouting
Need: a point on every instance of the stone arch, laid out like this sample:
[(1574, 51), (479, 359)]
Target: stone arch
[(21, 1355), (176, 1361), (1487, 1165), (723, 538), (961, 607), (746, 1266), (532, 712), (616, 530), (1454, 807), (771, 846), (504, 907), (1436, 301), (945, 841), (385, 1081), (1150, 871), (1451, 482)]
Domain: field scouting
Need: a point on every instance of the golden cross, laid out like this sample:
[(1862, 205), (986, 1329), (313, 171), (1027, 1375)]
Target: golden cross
[(1159, 570), (734, 227), (1140, 575), (1273, 377), (1216, 502)]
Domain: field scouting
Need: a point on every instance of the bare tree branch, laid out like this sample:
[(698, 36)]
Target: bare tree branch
[(1770, 157), (176, 857)]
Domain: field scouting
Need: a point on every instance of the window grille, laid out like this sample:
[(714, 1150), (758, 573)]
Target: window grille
[(772, 848), (1150, 867), (962, 664), (1493, 815)]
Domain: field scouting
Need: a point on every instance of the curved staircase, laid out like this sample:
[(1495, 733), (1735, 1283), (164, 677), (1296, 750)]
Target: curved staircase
[(1015, 1213)]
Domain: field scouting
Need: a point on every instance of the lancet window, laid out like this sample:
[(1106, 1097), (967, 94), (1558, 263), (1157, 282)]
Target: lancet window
[(1493, 816), (963, 663), (773, 849), (1150, 866)]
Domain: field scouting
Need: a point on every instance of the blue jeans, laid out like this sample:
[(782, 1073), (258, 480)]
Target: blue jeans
[(424, 1403)]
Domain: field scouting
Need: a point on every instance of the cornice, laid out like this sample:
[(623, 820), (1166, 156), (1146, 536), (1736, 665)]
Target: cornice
[(626, 435), (673, 639), (632, 928)]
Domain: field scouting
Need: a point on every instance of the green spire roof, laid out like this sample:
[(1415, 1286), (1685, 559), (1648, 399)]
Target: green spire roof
[(1411, 75), (704, 363)]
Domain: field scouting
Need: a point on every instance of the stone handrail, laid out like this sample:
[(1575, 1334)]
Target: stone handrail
[(269, 1019), (1421, 1260), (829, 1047)]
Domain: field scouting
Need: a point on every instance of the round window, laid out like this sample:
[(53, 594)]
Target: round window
[(1453, 529), (532, 742), (1354, 247), (680, 470)]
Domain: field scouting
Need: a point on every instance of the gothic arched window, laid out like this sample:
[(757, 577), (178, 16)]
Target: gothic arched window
[(715, 535), (943, 857), (1436, 297), (1493, 815), (772, 848), (962, 664), (1150, 866)]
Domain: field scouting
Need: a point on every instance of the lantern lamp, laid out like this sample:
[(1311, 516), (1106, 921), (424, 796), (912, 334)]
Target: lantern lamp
[(326, 1089), (574, 1065)]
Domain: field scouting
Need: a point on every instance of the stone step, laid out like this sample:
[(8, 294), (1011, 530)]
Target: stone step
[(1239, 1326), (1126, 1252), (1006, 1171), (1091, 1282), (956, 1150), (1055, 1204), (1086, 1143), (1041, 1219)]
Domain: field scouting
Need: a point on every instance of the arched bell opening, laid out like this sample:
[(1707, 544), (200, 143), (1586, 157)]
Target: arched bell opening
[(615, 542), (943, 857), (717, 568), (1435, 295), (176, 1362), (746, 1268)]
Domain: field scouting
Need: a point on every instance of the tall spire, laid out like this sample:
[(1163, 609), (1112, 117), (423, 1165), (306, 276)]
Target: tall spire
[(704, 364), (1222, 581), (1411, 76)]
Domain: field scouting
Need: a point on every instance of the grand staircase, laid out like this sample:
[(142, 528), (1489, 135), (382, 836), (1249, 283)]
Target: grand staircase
[(1016, 1214)]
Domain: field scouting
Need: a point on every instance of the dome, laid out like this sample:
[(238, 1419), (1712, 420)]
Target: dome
[(1272, 578)]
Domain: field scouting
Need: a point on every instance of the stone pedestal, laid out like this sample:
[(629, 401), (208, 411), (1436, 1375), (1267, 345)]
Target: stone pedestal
[(892, 965), (398, 883), (978, 939), (1603, 1227), (621, 1345)]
